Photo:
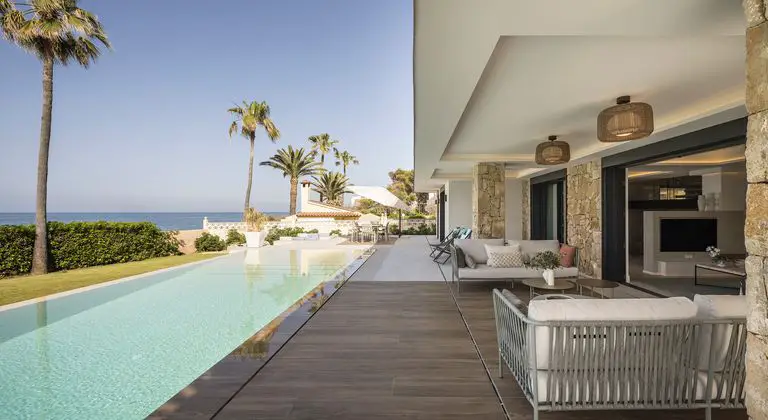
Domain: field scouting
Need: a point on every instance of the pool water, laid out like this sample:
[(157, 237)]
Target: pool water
[(121, 351)]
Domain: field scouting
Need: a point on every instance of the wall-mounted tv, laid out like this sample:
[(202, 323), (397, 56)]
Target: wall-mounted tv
[(688, 235)]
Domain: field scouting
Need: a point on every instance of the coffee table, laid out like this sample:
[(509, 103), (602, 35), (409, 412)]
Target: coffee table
[(596, 284), (540, 284)]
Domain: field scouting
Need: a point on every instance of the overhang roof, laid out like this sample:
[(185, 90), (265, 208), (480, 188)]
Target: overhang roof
[(492, 78)]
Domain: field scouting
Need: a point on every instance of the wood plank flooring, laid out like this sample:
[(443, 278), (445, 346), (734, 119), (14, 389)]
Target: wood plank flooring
[(376, 350)]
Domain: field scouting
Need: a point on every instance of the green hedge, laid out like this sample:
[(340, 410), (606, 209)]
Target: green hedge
[(84, 244)]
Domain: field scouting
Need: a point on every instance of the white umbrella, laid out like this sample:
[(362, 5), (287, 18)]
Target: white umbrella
[(382, 196)]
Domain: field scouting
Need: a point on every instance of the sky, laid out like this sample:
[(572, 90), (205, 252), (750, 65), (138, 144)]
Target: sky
[(145, 128)]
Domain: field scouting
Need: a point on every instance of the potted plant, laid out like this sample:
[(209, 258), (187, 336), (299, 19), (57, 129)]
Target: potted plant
[(254, 228), (717, 258), (547, 261)]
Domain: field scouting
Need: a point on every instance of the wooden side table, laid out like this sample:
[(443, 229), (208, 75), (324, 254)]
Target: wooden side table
[(596, 284), (533, 284)]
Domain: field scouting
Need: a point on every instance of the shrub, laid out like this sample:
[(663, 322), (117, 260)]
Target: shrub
[(312, 231), (394, 229), (85, 244), (235, 238), (423, 229), (275, 233), (335, 232), (209, 243)]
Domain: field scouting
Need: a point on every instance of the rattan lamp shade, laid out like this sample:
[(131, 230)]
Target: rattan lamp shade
[(553, 152), (625, 121)]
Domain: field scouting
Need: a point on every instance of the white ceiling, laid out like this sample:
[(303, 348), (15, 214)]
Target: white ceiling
[(495, 77)]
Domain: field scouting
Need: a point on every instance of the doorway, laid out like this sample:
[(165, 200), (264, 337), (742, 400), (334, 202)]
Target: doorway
[(548, 201)]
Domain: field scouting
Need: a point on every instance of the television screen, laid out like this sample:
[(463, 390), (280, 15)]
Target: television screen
[(688, 235)]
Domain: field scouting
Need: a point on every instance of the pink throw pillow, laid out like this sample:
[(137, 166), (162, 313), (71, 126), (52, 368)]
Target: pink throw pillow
[(567, 254)]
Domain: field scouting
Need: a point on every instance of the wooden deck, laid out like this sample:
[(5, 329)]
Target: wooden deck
[(376, 350)]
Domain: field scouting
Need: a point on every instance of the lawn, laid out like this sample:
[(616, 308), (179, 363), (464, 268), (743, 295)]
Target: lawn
[(17, 289)]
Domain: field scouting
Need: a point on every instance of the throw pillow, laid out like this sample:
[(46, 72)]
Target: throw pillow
[(470, 261), (515, 301), (461, 260), (567, 255), (504, 256)]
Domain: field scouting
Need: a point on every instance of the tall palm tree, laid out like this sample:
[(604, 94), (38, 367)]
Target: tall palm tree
[(248, 118), (344, 159), (57, 32), (322, 144), (294, 163), (332, 186)]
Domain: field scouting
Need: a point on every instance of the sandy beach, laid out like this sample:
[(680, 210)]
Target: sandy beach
[(188, 238)]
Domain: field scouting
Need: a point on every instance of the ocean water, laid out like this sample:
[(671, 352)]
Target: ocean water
[(165, 221), (121, 351)]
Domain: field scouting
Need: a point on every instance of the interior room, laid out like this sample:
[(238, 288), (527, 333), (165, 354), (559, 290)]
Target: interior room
[(676, 209)]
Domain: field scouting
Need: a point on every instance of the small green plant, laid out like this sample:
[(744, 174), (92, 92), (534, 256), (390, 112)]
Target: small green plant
[(422, 229), (335, 232), (312, 231), (394, 229), (235, 238), (209, 243), (275, 233), (547, 260)]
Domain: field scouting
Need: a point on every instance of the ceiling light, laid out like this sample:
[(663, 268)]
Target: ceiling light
[(553, 152), (625, 121)]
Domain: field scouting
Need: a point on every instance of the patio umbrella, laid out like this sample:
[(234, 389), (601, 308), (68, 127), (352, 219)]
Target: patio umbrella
[(382, 196)]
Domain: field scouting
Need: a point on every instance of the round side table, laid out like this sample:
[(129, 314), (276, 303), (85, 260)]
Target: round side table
[(540, 284), (596, 284)]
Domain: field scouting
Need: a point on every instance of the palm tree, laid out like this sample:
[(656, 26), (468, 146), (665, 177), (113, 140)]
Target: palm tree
[(332, 186), (57, 32), (322, 144), (294, 163), (345, 159), (248, 118)]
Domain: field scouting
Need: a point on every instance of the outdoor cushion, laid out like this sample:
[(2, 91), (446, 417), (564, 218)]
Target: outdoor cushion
[(461, 261), (469, 261), (483, 271), (515, 301), (602, 310), (567, 254), (504, 256), (717, 307), (531, 248), (475, 248)]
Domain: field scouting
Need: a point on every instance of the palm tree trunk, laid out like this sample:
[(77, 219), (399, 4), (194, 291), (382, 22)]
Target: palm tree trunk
[(322, 164), (250, 178), (294, 193), (40, 254)]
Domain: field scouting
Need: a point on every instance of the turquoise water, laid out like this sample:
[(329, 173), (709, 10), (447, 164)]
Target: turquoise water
[(121, 351)]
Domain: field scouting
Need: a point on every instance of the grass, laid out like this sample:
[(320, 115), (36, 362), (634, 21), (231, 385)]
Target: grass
[(17, 289)]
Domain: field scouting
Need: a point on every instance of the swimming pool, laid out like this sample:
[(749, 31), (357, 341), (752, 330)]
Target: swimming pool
[(120, 351)]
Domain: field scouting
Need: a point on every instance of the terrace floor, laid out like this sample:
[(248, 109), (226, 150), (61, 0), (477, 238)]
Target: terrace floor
[(387, 345)]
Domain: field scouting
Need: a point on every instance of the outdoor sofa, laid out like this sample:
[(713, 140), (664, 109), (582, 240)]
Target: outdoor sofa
[(595, 354), (475, 248)]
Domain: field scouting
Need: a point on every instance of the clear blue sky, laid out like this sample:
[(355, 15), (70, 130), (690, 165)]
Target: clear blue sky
[(145, 128)]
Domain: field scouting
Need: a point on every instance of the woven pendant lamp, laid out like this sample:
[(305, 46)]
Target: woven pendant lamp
[(625, 121), (553, 152)]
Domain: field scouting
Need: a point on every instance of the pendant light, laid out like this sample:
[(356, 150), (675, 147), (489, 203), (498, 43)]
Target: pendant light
[(625, 121), (553, 152)]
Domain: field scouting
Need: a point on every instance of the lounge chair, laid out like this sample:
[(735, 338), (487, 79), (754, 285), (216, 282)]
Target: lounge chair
[(448, 239), (445, 250)]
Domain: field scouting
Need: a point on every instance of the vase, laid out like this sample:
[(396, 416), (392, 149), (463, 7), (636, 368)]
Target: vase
[(255, 239), (702, 203), (549, 277)]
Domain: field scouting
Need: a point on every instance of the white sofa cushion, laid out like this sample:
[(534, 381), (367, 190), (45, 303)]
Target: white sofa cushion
[(601, 310), (503, 256), (532, 248), (475, 248), (717, 307), (483, 271)]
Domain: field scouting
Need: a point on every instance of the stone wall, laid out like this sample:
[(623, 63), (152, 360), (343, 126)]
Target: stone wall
[(488, 199), (756, 224), (526, 203), (584, 227)]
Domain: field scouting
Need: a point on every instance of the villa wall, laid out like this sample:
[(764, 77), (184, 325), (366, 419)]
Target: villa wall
[(525, 217), (756, 222), (584, 221), (488, 202), (459, 206)]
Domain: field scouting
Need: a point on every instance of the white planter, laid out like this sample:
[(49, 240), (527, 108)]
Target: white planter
[(255, 239), (549, 277)]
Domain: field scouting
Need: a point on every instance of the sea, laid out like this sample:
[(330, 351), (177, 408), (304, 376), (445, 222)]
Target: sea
[(165, 221)]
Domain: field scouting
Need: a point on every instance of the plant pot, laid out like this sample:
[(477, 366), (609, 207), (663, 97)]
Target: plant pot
[(549, 277), (255, 239)]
